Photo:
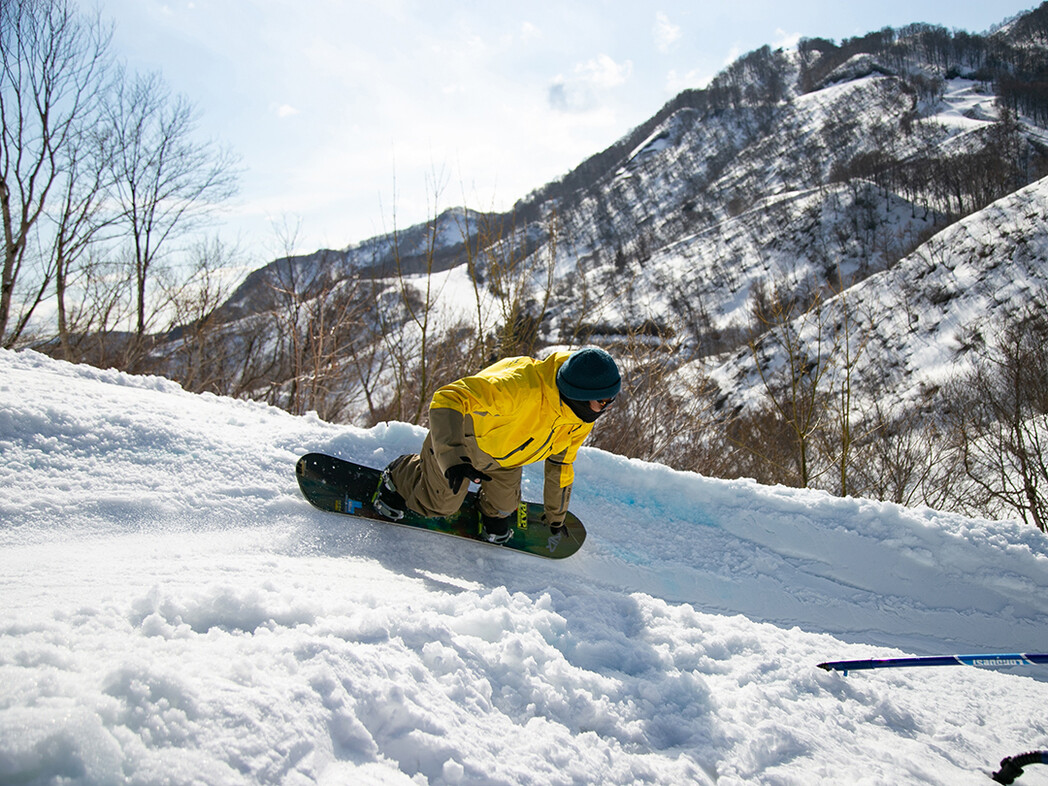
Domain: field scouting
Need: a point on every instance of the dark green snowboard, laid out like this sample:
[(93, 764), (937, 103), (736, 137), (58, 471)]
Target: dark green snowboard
[(340, 486)]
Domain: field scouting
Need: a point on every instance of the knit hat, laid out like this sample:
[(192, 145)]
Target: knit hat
[(589, 375)]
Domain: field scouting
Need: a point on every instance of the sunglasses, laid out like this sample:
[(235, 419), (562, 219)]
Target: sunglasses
[(605, 402)]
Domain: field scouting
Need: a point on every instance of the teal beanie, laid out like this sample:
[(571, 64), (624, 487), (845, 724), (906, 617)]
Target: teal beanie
[(589, 375)]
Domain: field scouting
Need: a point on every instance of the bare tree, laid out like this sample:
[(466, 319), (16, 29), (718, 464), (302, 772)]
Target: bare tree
[(201, 359), (335, 329), (425, 345), (844, 430), (79, 219), (165, 181), (521, 283), (907, 459), (793, 368), (315, 335), (663, 413), (1000, 416), (99, 315), (54, 63)]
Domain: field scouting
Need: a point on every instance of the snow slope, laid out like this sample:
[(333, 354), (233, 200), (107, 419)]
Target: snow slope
[(918, 320), (174, 612)]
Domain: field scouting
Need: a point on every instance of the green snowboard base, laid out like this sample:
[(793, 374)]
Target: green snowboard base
[(340, 486)]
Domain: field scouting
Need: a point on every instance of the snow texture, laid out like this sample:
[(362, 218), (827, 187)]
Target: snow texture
[(174, 612)]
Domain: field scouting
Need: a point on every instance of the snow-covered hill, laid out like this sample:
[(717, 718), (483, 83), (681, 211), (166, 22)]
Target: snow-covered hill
[(917, 320), (855, 168), (174, 612)]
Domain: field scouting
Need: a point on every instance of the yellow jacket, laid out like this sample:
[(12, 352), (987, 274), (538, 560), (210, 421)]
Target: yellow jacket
[(512, 412)]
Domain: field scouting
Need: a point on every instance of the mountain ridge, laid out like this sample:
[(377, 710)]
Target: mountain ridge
[(760, 81), (802, 197)]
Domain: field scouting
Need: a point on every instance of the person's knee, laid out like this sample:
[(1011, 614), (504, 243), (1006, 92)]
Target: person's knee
[(499, 500)]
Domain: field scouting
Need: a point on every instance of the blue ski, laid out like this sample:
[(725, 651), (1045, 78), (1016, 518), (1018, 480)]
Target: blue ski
[(983, 661)]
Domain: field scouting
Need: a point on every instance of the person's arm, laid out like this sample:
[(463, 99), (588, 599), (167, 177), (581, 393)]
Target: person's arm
[(558, 480), (447, 428)]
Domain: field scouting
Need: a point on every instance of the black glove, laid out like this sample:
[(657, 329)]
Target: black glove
[(463, 472)]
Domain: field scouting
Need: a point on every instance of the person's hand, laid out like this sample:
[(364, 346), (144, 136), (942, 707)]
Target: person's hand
[(464, 472)]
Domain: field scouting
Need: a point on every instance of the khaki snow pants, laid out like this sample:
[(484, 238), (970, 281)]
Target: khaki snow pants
[(424, 488)]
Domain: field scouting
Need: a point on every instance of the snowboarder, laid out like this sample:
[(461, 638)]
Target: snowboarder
[(484, 428)]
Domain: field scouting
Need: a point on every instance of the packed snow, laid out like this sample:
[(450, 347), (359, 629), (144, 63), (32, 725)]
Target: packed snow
[(174, 612)]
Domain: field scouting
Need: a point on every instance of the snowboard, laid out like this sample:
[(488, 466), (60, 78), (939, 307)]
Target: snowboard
[(340, 486)]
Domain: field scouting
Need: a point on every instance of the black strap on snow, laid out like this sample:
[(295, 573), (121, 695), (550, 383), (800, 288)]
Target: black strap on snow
[(1012, 766)]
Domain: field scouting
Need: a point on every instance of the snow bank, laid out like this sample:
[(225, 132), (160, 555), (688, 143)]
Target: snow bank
[(175, 613)]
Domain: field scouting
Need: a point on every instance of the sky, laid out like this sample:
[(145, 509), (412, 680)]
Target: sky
[(355, 117)]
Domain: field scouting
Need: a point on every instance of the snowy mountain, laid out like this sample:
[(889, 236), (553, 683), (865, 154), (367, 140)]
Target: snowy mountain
[(847, 168), (920, 314), (174, 612)]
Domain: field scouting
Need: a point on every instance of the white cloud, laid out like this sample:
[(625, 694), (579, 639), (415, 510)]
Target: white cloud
[(561, 96), (785, 40), (582, 91), (666, 33), (286, 110), (692, 80), (604, 72)]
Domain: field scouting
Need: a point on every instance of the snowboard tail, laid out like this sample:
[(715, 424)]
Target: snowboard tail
[(340, 486)]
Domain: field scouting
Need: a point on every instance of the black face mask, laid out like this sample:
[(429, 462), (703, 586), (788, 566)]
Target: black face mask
[(582, 410)]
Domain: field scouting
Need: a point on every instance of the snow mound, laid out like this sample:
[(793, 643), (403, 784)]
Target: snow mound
[(174, 612)]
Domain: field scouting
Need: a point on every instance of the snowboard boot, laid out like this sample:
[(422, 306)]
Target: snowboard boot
[(387, 501), (497, 529), (556, 534)]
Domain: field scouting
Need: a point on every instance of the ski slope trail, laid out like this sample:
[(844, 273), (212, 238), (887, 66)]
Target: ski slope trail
[(173, 609)]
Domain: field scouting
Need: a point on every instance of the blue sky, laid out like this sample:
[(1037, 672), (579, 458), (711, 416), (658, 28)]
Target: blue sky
[(352, 116)]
